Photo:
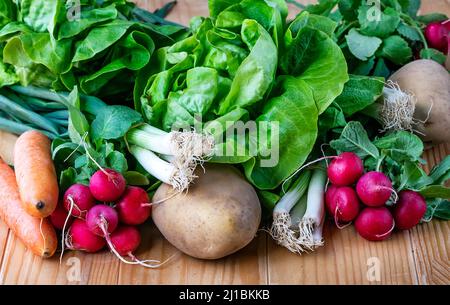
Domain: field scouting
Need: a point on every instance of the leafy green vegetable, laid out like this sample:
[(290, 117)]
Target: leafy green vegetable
[(7, 12), (88, 18), (247, 63), (296, 111), (106, 43), (257, 74), (379, 36)]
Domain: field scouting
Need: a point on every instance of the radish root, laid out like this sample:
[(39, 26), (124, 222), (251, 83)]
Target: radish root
[(63, 238), (336, 221), (388, 232), (42, 232), (146, 263)]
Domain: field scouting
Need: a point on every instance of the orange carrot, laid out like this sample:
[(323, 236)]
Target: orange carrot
[(35, 174), (37, 234)]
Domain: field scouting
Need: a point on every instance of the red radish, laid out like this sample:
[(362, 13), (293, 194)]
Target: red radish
[(107, 185), (134, 207), (375, 224), (409, 210), (102, 220), (331, 190), (436, 34), (126, 239), (374, 189), (59, 216), (342, 204), (78, 200), (345, 169), (80, 237)]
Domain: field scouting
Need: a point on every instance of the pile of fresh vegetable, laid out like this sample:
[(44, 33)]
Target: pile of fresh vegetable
[(135, 107), (394, 190)]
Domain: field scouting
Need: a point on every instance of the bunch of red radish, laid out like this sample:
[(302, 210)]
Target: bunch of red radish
[(104, 213), (362, 197)]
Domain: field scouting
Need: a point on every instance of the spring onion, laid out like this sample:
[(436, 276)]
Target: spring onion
[(169, 173), (26, 115)]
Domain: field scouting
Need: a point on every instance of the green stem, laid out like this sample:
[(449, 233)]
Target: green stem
[(148, 17), (58, 115), (297, 4), (41, 93), (345, 29), (26, 115), (380, 161), (414, 24), (18, 128)]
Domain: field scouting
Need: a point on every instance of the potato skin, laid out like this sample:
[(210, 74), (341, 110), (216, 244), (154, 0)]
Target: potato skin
[(430, 83), (219, 215)]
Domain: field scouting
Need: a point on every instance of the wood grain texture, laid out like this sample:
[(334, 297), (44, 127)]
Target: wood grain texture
[(346, 258), (418, 256), (431, 241), (247, 266)]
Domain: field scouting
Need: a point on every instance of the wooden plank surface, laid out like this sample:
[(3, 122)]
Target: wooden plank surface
[(419, 256)]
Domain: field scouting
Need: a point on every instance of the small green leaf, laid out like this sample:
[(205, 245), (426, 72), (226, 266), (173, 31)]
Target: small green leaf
[(113, 122), (441, 173), (376, 23), (413, 177), (136, 178), (67, 178), (381, 69), (354, 138), (435, 191), (359, 92), (396, 49), (362, 47), (408, 32), (117, 161)]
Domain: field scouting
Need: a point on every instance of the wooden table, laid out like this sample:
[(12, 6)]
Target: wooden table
[(418, 256)]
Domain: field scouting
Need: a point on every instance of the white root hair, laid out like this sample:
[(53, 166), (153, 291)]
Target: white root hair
[(191, 149), (397, 112), (298, 240)]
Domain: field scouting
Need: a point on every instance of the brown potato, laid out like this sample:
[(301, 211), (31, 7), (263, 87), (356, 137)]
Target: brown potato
[(219, 215), (430, 83)]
